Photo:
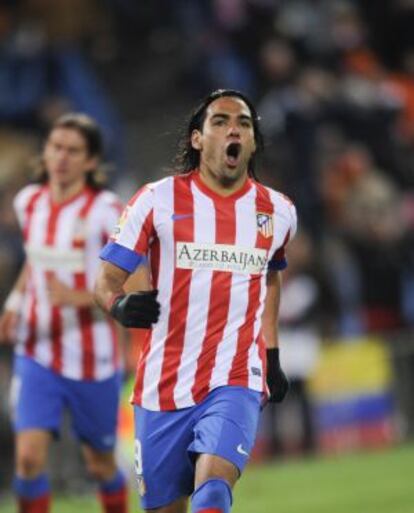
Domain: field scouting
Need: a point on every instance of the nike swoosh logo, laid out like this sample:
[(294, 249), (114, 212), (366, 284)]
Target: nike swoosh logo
[(177, 217), (240, 450)]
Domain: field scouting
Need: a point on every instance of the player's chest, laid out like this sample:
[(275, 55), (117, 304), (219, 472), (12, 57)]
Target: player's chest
[(236, 224), (60, 228), (237, 240), (59, 240)]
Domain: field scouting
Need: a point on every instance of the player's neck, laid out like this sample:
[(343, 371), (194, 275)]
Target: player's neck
[(222, 187), (61, 193)]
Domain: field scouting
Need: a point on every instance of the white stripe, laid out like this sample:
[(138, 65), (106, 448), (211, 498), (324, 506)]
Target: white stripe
[(103, 350), (71, 344)]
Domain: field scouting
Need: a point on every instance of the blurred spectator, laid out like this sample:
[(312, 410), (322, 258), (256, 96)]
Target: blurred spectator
[(376, 235), (307, 314), (44, 71)]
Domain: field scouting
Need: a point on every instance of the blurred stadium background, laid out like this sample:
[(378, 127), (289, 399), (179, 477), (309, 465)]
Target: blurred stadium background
[(334, 85)]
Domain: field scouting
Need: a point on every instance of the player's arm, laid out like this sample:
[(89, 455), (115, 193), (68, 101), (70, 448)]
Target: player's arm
[(62, 295), (12, 307), (276, 379), (134, 309), (271, 310)]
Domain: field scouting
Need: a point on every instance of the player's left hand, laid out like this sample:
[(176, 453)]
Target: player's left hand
[(276, 379)]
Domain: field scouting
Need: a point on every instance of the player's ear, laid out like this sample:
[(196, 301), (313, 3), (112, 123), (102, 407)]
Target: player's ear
[(196, 138)]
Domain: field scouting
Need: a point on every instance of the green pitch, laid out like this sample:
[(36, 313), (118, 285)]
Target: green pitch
[(380, 482)]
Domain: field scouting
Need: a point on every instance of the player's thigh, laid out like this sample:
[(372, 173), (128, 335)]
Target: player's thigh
[(227, 429), (164, 470), (36, 397), (94, 409)]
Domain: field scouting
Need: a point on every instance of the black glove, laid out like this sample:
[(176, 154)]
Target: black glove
[(136, 310), (276, 379)]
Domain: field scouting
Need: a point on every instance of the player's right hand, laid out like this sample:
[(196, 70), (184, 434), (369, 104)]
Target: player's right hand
[(8, 324), (136, 310)]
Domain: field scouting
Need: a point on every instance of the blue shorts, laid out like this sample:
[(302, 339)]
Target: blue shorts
[(39, 396), (166, 443)]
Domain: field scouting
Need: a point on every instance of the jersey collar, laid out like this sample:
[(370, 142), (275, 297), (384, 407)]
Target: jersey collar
[(218, 197)]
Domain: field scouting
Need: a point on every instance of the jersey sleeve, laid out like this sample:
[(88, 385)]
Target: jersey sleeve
[(129, 243), (111, 209), (278, 262), (22, 201)]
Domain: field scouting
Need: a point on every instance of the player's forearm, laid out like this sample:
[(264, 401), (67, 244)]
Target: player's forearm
[(270, 335), (109, 284), (15, 297), (82, 299), (271, 311)]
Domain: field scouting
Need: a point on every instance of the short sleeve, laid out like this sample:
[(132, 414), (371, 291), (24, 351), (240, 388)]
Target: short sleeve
[(22, 201), (129, 243), (278, 262)]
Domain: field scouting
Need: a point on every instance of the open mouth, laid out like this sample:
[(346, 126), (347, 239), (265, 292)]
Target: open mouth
[(232, 153)]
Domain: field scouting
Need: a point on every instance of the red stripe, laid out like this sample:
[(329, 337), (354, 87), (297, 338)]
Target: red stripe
[(239, 373), (183, 232), (55, 333), (219, 301), (85, 320), (210, 510), (51, 224), (55, 327), (31, 336), (84, 314), (141, 246), (155, 262)]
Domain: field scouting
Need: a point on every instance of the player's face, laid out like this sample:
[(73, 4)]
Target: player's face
[(66, 157), (226, 142)]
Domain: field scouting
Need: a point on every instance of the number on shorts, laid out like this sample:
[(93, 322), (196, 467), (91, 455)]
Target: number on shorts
[(138, 457)]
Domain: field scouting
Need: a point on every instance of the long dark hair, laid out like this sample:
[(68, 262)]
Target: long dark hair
[(91, 133), (188, 158)]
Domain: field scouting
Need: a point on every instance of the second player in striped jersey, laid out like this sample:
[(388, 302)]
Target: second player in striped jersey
[(66, 350)]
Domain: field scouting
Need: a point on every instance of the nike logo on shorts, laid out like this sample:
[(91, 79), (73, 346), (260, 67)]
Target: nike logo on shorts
[(240, 450)]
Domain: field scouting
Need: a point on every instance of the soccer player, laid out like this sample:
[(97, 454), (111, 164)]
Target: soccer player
[(66, 352), (214, 239)]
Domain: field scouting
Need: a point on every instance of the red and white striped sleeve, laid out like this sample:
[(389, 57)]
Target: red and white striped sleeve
[(129, 243), (288, 222)]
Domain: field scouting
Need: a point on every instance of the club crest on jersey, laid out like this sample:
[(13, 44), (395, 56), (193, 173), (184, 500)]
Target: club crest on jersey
[(264, 224)]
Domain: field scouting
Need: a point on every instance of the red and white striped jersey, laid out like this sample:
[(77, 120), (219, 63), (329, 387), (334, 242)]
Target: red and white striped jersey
[(63, 241), (209, 256)]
